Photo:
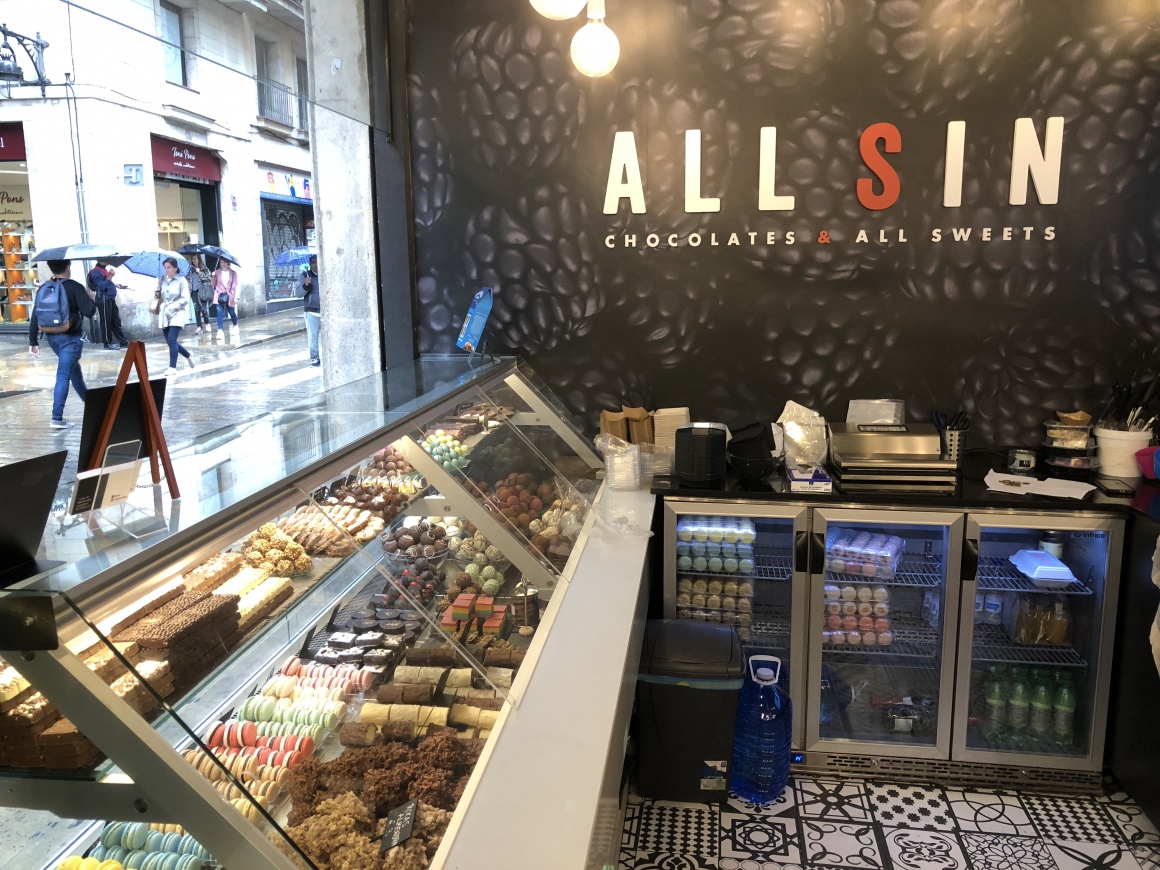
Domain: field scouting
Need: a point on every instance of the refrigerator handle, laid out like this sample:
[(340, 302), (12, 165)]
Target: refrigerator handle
[(801, 552), (970, 563), (817, 552)]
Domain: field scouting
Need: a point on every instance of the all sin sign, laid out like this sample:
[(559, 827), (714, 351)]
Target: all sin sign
[(1031, 160)]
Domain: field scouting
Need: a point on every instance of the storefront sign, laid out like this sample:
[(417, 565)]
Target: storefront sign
[(1035, 165), (15, 203), (12, 141), (188, 161), (284, 182)]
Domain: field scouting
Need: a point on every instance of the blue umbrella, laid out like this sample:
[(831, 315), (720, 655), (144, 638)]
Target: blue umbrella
[(151, 262), (295, 256)]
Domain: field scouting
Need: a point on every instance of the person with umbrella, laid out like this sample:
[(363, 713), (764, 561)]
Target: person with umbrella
[(311, 292), (66, 345), (102, 284), (173, 290), (201, 289), (225, 292)]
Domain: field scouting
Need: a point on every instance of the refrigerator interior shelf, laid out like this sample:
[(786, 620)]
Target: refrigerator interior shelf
[(770, 628), (998, 575), (992, 644), (920, 643), (915, 571)]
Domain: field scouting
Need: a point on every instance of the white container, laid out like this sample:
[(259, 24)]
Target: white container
[(1118, 451)]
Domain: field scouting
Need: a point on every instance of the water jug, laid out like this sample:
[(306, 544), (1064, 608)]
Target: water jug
[(761, 739)]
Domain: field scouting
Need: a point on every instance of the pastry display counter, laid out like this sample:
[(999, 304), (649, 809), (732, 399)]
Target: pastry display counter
[(267, 689)]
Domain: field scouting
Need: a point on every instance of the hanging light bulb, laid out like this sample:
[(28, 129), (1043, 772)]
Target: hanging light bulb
[(558, 10), (595, 48)]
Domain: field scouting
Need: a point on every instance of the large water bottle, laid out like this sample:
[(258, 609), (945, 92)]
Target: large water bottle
[(761, 740)]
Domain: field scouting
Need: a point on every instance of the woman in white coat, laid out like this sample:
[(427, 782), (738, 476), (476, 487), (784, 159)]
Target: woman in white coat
[(173, 291)]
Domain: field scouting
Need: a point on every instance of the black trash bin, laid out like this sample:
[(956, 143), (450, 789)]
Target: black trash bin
[(687, 688)]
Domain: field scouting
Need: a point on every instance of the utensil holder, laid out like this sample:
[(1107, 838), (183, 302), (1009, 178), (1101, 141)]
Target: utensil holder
[(1117, 451), (953, 441)]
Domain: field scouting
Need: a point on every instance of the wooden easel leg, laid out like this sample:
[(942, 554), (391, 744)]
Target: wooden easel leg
[(97, 458)]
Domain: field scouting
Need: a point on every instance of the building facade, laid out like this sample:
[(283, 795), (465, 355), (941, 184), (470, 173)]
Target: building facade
[(165, 123)]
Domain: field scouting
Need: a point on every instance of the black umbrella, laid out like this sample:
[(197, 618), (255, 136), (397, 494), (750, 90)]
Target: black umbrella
[(190, 248), (215, 251)]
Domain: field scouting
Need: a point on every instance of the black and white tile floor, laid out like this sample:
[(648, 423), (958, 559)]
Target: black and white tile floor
[(824, 824)]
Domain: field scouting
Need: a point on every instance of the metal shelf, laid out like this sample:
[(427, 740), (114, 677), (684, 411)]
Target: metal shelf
[(769, 564), (914, 571), (997, 574), (912, 639), (770, 628), (992, 644)]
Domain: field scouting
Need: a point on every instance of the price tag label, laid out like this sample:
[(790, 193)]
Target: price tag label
[(400, 824)]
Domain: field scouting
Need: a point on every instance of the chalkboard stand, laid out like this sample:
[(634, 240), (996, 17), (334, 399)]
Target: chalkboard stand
[(155, 445)]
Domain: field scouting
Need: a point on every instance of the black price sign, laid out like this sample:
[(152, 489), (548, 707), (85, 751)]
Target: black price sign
[(400, 823)]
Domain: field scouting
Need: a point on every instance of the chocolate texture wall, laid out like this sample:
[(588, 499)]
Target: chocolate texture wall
[(945, 294)]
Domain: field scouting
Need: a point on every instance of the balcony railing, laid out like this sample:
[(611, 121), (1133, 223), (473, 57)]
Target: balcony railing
[(276, 102)]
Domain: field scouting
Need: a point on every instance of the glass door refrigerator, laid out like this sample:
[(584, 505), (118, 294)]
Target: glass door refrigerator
[(884, 600), (1036, 640), (743, 565)]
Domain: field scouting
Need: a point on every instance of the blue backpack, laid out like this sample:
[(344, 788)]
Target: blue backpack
[(52, 307)]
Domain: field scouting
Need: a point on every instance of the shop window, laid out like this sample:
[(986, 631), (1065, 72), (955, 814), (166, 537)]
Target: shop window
[(173, 39)]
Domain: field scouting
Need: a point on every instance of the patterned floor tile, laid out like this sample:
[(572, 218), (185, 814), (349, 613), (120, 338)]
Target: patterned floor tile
[(1002, 852), (734, 864), (924, 850), (627, 860), (1136, 827), (832, 800), (785, 804), (1092, 856), (990, 812), (759, 838), (911, 806), (630, 833), (678, 829), (672, 861), (834, 845), (1080, 820), (1148, 857)]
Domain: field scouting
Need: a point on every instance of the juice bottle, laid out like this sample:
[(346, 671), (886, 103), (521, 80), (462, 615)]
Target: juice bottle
[(1059, 624), (1063, 723)]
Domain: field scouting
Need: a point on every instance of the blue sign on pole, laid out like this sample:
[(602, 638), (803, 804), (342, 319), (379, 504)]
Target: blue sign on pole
[(475, 322)]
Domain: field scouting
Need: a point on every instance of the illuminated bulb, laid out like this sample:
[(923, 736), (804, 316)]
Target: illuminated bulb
[(595, 48), (558, 10)]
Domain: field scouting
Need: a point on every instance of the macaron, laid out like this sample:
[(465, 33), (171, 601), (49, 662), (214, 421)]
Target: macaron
[(854, 638), (869, 638), (885, 638), (865, 593)]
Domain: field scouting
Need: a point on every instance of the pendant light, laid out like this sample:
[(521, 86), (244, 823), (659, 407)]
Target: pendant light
[(558, 10), (595, 48)]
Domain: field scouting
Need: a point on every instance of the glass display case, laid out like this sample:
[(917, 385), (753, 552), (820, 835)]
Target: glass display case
[(365, 630), (1036, 637), (726, 564), (884, 599)]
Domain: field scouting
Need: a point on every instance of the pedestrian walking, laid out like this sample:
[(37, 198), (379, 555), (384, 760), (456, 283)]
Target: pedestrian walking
[(201, 289), (225, 292), (54, 298), (311, 292), (105, 290), (173, 291)]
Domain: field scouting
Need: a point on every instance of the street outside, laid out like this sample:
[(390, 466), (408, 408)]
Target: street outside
[(257, 366)]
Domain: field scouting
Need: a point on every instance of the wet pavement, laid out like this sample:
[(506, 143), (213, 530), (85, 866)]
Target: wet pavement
[(260, 365)]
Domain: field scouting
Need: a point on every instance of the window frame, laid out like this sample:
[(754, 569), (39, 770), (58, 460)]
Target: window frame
[(166, 9)]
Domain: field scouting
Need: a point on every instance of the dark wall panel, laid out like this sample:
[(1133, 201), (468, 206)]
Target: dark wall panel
[(511, 150)]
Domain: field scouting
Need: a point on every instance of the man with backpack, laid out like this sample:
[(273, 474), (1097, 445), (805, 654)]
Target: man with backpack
[(58, 311), (105, 288)]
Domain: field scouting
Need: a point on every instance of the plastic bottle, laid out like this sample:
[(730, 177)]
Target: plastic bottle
[(995, 722), (1042, 713), (979, 607), (1063, 724), (761, 739), (1019, 704), (1058, 624)]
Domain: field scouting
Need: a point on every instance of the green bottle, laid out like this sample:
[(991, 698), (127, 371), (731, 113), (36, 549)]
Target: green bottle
[(1063, 723), (995, 722), (1042, 714), (1019, 704)]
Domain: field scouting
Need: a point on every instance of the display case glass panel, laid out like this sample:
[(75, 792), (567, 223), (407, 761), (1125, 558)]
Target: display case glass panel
[(1036, 631), (884, 624)]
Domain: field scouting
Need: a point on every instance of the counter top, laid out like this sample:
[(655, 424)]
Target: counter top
[(972, 493)]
